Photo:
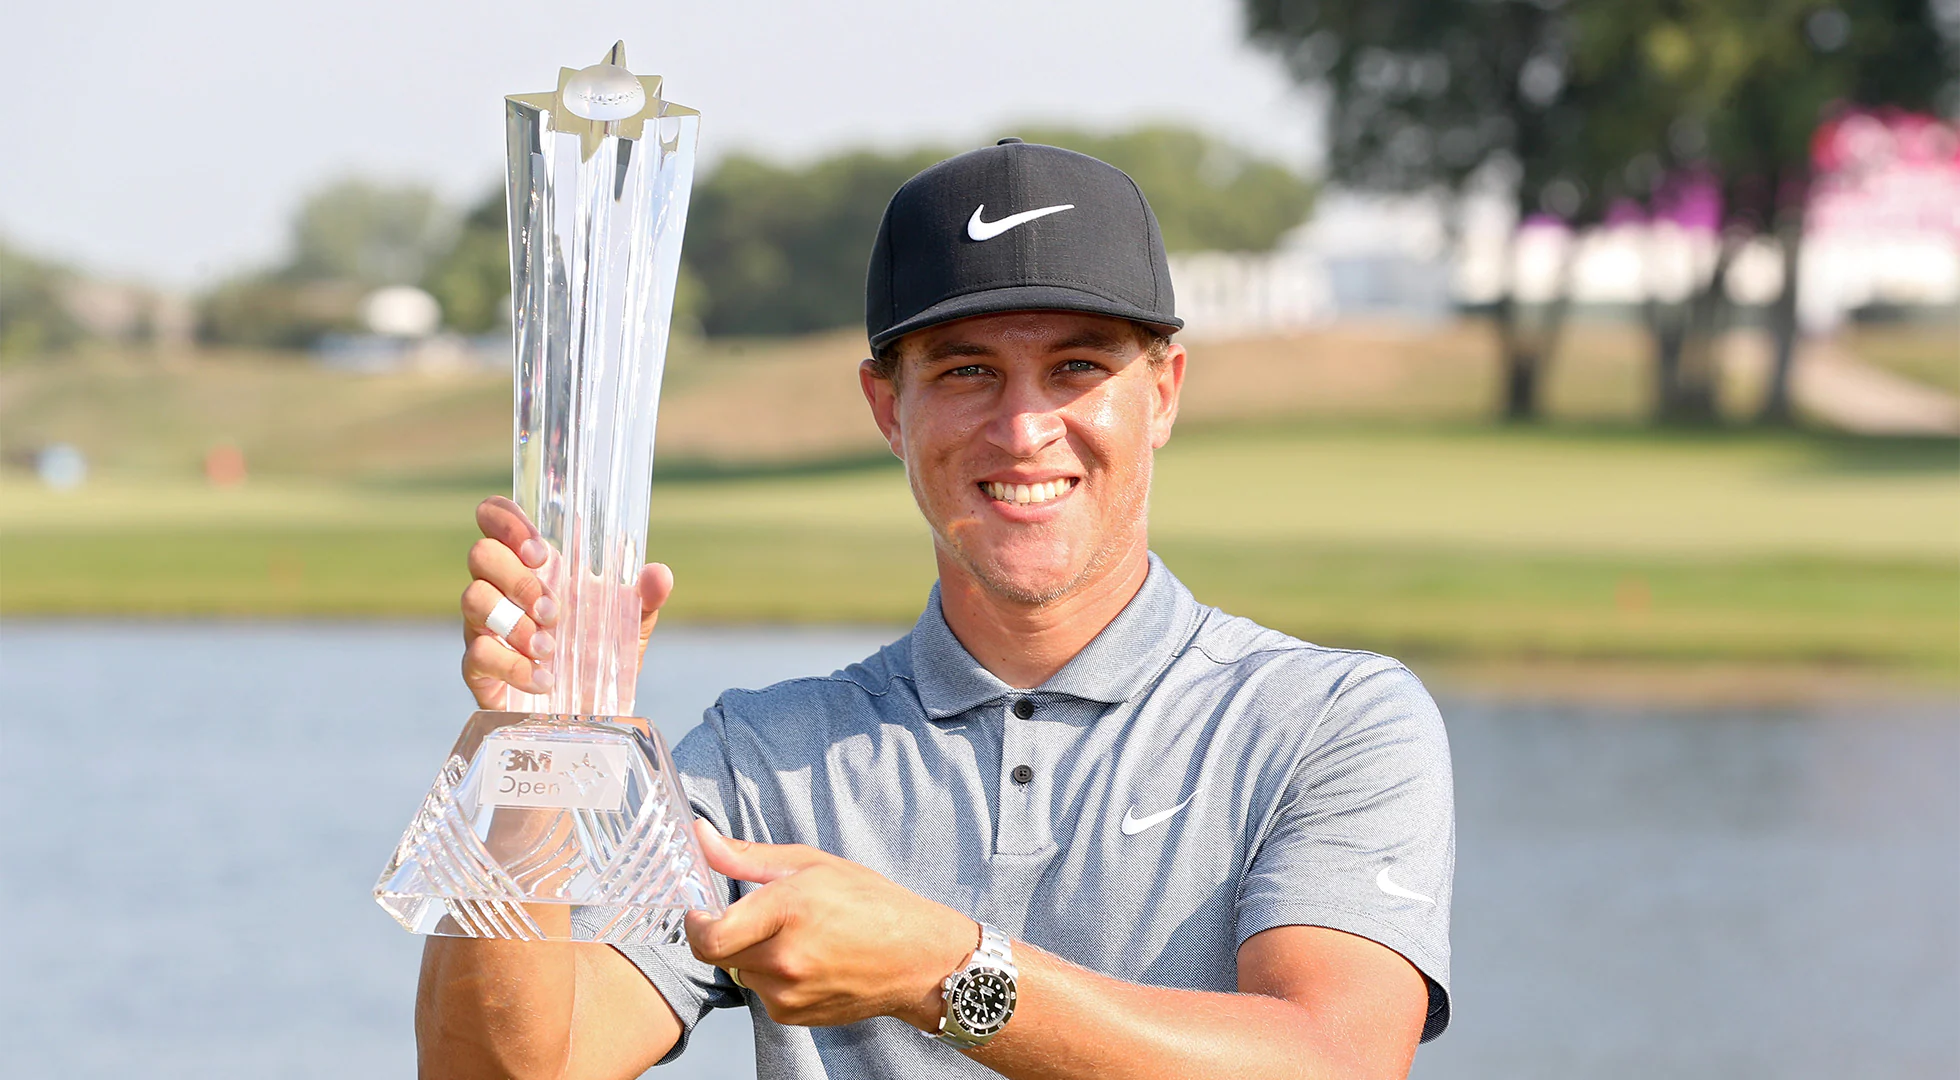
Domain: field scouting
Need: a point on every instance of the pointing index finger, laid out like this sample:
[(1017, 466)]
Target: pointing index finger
[(746, 860)]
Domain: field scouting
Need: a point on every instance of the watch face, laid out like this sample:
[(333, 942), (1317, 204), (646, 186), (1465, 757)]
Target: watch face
[(982, 1001)]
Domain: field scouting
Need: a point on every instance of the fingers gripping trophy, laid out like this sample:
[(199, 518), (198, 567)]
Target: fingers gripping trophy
[(563, 818)]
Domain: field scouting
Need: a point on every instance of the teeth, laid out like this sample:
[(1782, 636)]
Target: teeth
[(1024, 494)]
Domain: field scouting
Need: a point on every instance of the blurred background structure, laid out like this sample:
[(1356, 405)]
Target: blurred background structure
[(1599, 357)]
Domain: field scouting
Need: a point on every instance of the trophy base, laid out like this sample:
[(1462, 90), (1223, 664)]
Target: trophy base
[(552, 828)]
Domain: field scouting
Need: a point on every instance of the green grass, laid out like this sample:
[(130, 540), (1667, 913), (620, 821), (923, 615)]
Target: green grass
[(1406, 601), (1486, 545), (1565, 491), (1456, 605)]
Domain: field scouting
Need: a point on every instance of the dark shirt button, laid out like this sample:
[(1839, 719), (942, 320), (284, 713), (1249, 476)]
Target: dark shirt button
[(1022, 774), (1024, 709)]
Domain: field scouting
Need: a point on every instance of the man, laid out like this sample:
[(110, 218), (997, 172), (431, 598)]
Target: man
[(1137, 837)]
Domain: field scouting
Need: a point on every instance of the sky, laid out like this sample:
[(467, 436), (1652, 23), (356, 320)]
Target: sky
[(170, 142)]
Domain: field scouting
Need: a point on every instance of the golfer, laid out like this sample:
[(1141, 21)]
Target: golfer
[(1074, 824)]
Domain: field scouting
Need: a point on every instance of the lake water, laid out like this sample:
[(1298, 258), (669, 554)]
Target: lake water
[(195, 814)]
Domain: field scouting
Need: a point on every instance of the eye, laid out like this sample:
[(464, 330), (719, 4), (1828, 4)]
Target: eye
[(1080, 367), (967, 371)]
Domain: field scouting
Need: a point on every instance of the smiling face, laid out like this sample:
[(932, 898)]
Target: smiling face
[(1028, 439)]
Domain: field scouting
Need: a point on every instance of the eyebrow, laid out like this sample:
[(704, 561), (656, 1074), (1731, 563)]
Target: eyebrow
[(1090, 339), (948, 349)]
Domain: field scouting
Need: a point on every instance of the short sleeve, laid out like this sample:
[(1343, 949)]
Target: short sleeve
[(690, 986), (1364, 837)]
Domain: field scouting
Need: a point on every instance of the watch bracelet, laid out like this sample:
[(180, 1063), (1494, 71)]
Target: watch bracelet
[(996, 947), (996, 951)]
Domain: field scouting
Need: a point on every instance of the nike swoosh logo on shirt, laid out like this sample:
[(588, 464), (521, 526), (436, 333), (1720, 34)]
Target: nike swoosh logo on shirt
[(1133, 825), (987, 230), (1388, 886)]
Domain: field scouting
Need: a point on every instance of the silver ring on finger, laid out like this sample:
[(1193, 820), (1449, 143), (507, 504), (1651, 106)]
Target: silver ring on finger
[(503, 618)]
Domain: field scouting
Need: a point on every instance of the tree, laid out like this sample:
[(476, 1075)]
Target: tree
[(770, 249), (1733, 93), (1592, 102), (1808, 62), (347, 239), (1208, 195), (472, 279), (781, 250), (33, 318), (369, 234), (1435, 95)]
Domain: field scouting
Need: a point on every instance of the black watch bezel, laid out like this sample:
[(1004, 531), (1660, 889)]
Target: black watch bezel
[(965, 1009)]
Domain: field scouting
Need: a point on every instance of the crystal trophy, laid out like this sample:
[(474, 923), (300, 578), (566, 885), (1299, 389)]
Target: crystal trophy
[(563, 818)]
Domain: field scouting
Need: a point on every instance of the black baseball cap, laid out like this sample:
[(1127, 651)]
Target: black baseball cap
[(1016, 227)]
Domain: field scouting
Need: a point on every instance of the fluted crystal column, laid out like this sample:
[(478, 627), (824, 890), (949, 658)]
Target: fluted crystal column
[(600, 174)]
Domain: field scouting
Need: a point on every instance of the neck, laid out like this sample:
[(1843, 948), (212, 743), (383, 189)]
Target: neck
[(1023, 644)]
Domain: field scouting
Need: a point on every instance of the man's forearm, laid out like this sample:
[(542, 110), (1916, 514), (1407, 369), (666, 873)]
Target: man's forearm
[(495, 1008), (1074, 1023), (826, 941)]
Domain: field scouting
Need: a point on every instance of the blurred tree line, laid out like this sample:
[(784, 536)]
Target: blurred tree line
[(347, 240), (33, 318), (771, 248), (1578, 108), (782, 250), (48, 307)]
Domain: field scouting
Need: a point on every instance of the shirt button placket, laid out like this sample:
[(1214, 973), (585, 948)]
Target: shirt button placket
[(1020, 830)]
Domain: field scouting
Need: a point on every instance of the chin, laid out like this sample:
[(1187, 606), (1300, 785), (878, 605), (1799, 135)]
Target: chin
[(1029, 574)]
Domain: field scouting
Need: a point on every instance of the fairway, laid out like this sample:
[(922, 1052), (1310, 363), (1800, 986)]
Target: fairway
[(1473, 543), (1565, 492)]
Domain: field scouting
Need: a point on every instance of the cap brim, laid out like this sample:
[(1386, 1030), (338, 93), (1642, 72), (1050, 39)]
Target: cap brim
[(1023, 298)]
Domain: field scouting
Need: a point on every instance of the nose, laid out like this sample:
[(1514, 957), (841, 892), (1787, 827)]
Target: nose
[(1025, 424)]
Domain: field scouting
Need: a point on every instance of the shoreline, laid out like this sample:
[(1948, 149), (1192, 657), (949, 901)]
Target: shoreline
[(1552, 681), (1688, 684)]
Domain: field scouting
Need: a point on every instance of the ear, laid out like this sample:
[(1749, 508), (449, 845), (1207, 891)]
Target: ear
[(1169, 385), (882, 395)]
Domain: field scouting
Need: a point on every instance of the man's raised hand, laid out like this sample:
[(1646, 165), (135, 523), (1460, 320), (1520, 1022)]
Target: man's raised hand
[(508, 563)]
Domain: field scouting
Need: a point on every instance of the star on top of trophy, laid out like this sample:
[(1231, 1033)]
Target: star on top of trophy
[(603, 99)]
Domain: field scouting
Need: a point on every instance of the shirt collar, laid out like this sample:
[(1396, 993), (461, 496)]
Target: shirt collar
[(1117, 665)]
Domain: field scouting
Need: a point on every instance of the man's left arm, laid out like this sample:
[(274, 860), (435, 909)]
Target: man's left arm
[(826, 941), (1313, 1002)]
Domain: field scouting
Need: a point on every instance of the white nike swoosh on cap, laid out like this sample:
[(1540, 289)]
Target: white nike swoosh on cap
[(1383, 883), (987, 230), (1133, 825)]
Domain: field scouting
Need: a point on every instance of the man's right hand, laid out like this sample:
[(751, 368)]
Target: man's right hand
[(506, 564)]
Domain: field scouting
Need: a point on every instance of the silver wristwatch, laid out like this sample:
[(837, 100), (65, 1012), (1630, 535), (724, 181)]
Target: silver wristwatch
[(980, 996)]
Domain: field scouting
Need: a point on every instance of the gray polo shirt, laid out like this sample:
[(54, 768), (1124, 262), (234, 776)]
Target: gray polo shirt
[(1188, 780)]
